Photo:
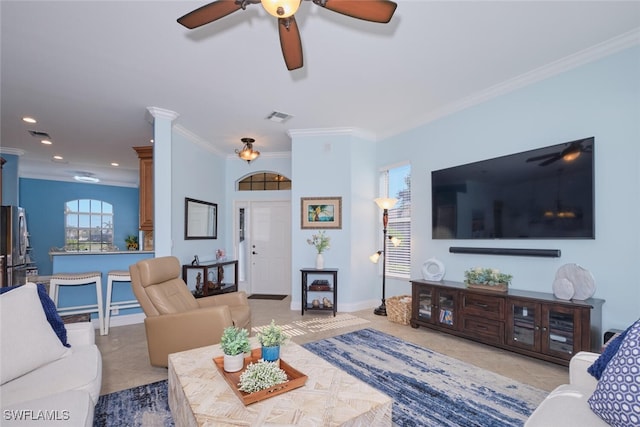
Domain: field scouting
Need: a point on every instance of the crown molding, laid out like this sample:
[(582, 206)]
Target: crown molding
[(12, 151), (591, 54), (161, 113), (197, 140), (346, 131)]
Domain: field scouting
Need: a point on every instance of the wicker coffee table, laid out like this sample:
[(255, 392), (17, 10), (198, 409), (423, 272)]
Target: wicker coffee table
[(200, 396)]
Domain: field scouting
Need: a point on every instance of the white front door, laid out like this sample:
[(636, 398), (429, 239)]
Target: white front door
[(270, 247)]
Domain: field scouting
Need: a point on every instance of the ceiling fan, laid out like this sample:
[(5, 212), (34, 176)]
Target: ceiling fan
[(570, 153), (379, 11)]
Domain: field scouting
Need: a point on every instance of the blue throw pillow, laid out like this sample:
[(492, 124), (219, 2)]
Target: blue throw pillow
[(610, 350), (617, 395), (50, 311)]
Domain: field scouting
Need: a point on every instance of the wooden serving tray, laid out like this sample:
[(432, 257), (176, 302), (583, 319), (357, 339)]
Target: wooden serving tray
[(296, 379)]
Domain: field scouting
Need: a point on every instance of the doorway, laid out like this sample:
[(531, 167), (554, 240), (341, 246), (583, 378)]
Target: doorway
[(263, 233)]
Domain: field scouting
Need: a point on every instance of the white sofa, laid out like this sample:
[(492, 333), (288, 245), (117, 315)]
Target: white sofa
[(63, 391), (568, 405)]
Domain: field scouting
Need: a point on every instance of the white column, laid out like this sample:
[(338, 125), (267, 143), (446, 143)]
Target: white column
[(162, 171)]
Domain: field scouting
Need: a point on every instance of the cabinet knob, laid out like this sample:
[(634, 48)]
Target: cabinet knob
[(254, 252), (537, 328)]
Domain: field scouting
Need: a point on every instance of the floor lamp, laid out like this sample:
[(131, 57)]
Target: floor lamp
[(385, 204)]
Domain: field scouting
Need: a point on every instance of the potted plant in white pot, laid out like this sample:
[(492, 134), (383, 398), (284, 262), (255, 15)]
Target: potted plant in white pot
[(271, 338), (234, 344)]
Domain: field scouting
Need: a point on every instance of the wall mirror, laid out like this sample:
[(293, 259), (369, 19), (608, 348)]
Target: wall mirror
[(200, 219)]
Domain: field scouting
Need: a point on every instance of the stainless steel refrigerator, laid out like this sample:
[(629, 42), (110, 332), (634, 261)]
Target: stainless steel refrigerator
[(14, 242)]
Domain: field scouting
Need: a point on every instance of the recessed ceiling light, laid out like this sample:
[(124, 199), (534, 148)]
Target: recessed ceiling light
[(46, 142), (58, 157), (29, 120), (115, 164), (151, 141)]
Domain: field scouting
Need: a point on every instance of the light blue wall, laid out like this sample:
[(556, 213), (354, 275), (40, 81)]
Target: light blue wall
[(44, 203), (600, 99), (199, 174), (329, 165)]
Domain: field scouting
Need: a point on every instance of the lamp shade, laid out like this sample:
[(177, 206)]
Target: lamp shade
[(375, 257), (385, 203), (281, 8), (395, 241)]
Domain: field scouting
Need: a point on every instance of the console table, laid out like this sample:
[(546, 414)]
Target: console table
[(320, 288), (536, 324), (220, 286)]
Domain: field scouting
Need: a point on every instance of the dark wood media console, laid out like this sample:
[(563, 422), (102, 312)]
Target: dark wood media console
[(535, 324)]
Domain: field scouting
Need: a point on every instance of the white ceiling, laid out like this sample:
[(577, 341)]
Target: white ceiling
[(88, 70)]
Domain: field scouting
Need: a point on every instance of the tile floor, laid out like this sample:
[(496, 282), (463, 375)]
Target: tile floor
[(126, 362)]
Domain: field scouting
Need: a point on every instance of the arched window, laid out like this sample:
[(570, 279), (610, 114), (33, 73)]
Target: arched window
[(263, 181), (88, 225)]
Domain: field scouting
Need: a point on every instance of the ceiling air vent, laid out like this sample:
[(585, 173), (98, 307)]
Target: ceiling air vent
[(279, 117), (39, 135)]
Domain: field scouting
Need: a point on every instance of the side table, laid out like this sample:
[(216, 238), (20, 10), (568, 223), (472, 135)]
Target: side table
[(325, 286)]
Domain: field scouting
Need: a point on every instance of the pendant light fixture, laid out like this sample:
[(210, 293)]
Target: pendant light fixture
[(247, 152)]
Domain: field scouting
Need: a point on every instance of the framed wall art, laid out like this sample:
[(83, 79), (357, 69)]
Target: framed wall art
[(321, 212)]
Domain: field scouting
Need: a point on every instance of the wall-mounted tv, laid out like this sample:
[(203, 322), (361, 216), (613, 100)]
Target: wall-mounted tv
[(547, 193)]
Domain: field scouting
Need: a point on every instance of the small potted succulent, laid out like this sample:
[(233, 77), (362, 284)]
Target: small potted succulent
[(261, 375), (234, 344), (271, 338)]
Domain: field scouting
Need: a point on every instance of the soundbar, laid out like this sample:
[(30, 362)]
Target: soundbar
[(548, 253)]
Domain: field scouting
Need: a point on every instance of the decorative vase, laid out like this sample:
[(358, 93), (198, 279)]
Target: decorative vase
[(233, 363), (319, 262), (271, 354)]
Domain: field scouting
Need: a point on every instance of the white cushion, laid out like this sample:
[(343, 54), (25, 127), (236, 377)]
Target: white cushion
[(70, 408), (82, 370), (566, 406), (27, 339)]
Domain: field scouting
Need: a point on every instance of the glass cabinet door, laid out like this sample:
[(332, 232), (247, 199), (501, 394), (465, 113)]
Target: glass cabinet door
[(523, 328), (425, 303), (446, 307), (559, 330)]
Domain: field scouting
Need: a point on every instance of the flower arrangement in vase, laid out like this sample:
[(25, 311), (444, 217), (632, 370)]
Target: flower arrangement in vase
[(322, 242), (234, 343), (132, 242), (487, 278), (271, 338)]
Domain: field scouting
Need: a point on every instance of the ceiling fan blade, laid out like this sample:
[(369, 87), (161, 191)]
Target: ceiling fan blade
[(209, 13), (290, 42), (551, 160), (368, 10)]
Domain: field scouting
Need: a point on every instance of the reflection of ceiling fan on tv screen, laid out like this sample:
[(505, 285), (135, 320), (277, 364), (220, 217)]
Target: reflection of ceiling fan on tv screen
[(379, 11), (571, 152)]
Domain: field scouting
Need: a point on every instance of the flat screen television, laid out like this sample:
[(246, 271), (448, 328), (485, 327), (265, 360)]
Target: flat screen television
[(547, 193)]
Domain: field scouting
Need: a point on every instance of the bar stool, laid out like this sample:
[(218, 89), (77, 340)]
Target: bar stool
[(77, 279), (115, 276)]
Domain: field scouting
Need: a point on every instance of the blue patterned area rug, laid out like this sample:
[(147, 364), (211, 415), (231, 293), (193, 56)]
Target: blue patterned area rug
[(142, 406), (428, 388)]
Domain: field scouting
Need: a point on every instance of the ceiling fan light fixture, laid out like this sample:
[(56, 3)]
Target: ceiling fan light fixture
[(247, 152), (281, 8)]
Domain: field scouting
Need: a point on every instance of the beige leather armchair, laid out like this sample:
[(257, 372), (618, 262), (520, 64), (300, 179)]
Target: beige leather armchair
[(176, 320)]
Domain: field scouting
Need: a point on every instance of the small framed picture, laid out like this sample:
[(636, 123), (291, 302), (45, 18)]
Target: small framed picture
[(321, 212)]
